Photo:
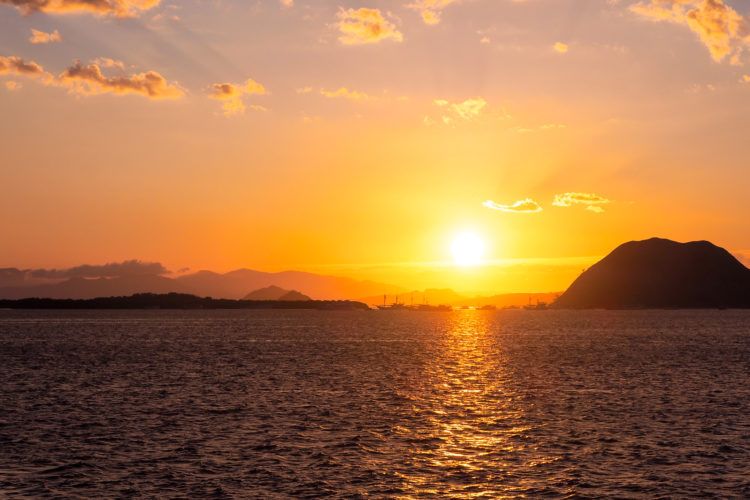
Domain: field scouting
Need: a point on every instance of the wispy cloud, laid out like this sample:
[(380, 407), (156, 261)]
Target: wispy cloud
[(561, 48), (40, 37), (431, 10), (464, 110), (345, 93), (114, 8), (592, 202), (365, 26), (721, 28), (107, 62), (231, 95), (525, 206)]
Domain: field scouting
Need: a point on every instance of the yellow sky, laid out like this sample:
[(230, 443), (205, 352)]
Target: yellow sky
[(359, 138)]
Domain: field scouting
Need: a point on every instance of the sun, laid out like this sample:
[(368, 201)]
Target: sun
[(467, 249)]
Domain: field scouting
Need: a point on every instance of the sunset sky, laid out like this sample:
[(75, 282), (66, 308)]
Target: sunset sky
[(359, 138)]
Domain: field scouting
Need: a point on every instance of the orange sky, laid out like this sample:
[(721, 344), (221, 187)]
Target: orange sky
[(359, 138)]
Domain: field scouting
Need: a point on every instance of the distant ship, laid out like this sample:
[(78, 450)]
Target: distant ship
[(396, 306), (429, 308), (539, 306), (399, 306)]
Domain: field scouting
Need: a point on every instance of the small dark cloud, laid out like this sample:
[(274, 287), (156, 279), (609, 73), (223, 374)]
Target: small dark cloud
[(110, 270)]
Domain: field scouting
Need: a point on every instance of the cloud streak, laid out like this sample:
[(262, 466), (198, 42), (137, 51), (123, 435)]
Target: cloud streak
[(114, 8), (344, 93), (592, 202), (525, 206)]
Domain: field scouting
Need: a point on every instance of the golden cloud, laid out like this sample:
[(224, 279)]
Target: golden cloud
[(470, 108), (13, 65), (115, 8), (12, 85), (465, 111), (431, 10), (525, 206), (107, 62), (592, 201), (232, 94), (345, 93), (89, 80), (41, 37), (364, 26), (560, 48), (720, 28)]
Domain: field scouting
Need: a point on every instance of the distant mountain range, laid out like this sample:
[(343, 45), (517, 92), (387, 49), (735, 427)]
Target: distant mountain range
[(232, 285), (659, 273), (138, 278)]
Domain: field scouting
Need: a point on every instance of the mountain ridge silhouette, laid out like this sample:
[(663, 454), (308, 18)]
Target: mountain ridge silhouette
[(661, 273)]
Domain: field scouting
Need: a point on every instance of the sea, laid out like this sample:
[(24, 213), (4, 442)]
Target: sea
[(374, 404)]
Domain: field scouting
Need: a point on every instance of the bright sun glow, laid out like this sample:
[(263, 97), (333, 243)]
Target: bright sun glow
[(467, 249)]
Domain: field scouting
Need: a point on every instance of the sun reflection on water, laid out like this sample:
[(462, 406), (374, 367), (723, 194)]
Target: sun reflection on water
[(473, 438)]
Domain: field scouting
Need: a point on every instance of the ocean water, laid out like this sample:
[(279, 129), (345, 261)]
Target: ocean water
[(294, 404)]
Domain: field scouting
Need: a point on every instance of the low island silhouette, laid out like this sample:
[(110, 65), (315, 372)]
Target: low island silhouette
[(178, 301)]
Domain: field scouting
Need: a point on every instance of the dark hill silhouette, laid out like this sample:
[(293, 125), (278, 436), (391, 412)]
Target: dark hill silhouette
[(294, 296), (659, 273), (178, 301), (276, 293)]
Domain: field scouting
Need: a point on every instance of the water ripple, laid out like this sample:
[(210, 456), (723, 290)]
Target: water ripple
[(470, 404)]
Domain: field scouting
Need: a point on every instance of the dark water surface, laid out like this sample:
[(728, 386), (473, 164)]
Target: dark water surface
[(386, 404)]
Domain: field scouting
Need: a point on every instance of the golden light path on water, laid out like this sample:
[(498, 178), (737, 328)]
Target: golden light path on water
[(474, 423)]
